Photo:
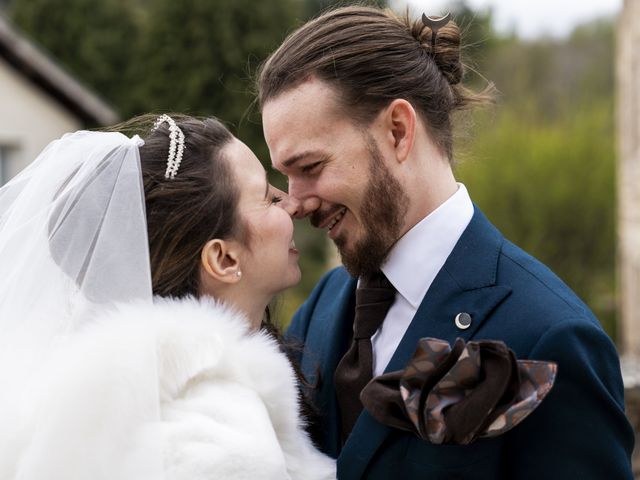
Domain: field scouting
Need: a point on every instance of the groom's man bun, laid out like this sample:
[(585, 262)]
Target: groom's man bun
[(372, 56)]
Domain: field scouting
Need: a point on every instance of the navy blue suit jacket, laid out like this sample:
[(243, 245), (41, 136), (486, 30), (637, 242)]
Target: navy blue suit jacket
[(578, 432)]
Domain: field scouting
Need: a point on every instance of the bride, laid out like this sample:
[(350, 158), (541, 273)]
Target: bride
[(135, 277)]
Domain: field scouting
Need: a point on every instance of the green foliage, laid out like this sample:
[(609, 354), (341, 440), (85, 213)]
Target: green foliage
[(550, 188), (198, 57), (91, 39), (315, 7), (556, 78), (478, 38)]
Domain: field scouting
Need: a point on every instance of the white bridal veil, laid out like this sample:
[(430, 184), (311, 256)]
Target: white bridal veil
[(73, 240)]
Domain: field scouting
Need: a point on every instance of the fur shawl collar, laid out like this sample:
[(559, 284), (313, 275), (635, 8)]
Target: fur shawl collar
[(227, 403)]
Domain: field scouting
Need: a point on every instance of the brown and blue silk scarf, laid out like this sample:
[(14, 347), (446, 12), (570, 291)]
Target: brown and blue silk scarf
[(455, 395)]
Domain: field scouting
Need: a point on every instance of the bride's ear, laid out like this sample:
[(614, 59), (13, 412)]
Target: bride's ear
[(220, 260)]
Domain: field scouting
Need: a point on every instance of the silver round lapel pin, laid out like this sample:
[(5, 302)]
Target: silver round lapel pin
[(463, 320)]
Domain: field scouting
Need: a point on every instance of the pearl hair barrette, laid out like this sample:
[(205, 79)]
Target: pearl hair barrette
[(176, 145)]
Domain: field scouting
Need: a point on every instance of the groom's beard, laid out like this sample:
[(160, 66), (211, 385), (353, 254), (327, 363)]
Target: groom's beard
[(382, 214)]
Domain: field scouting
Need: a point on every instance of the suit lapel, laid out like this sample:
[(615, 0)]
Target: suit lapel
[(466, 283)]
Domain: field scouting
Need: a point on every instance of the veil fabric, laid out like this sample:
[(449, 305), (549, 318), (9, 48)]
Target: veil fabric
[(73, 241)]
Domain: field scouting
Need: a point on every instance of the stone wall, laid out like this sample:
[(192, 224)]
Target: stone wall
[(628, 127)]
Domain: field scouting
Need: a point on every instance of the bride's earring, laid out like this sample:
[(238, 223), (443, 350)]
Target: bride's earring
[(238, 273)]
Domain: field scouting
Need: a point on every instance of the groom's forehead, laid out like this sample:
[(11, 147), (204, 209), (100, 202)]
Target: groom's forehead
[(314, 97), (300, 122)]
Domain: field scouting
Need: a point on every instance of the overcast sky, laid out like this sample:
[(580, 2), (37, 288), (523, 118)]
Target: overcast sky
[(530, 18)]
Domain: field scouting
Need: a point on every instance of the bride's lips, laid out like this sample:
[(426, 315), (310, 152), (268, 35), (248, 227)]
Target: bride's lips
[(292, 248)]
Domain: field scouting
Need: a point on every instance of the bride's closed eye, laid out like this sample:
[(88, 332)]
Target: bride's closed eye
[(276, 199)]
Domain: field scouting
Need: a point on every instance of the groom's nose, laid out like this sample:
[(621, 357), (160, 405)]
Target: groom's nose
[(307, 204), (290, 205)]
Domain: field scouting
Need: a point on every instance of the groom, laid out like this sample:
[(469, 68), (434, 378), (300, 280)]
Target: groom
[(357, 113)]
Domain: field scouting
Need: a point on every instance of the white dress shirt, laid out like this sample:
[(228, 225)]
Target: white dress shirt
[(413, 264)]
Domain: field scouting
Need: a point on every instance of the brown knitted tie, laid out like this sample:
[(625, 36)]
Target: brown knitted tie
[(373, 300)]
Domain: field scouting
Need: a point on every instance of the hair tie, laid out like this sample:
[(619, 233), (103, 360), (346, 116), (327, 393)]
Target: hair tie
[(176, 145), (435, 24)]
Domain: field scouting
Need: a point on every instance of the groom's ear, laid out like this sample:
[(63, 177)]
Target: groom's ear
[(399, 122), (220, 260)]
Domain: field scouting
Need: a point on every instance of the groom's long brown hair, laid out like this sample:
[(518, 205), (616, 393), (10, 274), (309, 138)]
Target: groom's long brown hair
[(371, 57)]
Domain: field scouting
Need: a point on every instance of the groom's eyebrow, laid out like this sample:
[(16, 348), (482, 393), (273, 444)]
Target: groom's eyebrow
[(289, 162)]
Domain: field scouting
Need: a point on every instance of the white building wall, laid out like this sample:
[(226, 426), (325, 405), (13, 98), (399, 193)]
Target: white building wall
[(29, 119)]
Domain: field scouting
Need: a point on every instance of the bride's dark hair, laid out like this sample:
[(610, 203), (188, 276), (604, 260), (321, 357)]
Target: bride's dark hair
[(185, 212)]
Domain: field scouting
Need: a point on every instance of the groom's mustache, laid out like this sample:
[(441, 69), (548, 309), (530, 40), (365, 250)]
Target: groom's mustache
[(319, 218)]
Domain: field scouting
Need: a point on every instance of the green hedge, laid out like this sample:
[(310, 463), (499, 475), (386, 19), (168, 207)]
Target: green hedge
[(549, 186)]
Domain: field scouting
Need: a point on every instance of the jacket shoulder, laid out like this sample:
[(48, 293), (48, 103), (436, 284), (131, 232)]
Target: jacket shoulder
[(322, 298), (534, 284)]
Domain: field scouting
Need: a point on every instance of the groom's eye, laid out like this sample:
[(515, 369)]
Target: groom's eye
[(310, 167)]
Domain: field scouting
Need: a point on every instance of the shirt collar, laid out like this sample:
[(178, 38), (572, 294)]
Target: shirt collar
[(418, 256)]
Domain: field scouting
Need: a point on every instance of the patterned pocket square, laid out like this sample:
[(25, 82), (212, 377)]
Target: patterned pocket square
[(456, 395)]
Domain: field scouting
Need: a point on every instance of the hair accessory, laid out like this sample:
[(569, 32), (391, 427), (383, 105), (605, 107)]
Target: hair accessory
[(176, 145), (435, 24)]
